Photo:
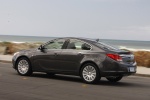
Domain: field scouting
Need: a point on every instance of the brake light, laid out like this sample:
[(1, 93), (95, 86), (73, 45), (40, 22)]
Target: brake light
[(114, 57)]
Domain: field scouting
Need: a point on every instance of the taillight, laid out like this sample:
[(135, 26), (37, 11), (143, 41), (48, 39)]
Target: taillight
[(114, 57)]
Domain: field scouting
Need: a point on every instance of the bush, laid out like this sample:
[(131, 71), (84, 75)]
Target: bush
[(11, 48), (142, 58)]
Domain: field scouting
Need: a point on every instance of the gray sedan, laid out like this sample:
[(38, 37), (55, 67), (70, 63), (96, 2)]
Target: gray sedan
[(87, 58)]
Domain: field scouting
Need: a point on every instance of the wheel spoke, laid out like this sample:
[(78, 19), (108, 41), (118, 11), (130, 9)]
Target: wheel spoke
[(89, 73), (23, 66)]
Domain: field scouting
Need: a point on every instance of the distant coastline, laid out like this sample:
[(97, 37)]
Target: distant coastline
[(132, 45)]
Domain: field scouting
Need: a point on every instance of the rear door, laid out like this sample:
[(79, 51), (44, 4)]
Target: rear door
[(73, 54)]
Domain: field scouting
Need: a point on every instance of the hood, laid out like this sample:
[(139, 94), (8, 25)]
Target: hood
[(28, 50)]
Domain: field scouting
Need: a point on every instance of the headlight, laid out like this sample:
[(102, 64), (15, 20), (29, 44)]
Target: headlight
[(16, 53)]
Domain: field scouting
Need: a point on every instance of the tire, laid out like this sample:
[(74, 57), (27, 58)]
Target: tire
[(114, 78), (23, 67), (90, 73)]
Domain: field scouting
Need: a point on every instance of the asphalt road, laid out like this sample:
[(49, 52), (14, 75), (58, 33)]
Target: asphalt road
[(40, 86)]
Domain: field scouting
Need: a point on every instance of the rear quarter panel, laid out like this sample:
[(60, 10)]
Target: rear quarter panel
[(94, 57)]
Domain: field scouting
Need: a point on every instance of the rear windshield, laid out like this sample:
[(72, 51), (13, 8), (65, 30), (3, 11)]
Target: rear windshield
[(106, 46)]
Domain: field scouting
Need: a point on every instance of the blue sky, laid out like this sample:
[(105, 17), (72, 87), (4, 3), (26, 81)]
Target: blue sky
[(104, 19)]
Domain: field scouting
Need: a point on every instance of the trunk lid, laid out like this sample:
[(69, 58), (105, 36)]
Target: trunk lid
[(127, 56)]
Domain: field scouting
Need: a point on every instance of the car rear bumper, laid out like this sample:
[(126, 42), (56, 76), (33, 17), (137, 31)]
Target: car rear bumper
[(119, 69)]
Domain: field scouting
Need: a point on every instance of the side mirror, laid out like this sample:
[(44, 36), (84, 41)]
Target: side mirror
[(41, 48)]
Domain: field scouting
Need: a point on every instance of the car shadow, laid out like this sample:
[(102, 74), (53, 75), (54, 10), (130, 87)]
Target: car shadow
[(118, 84), (77, 79), (58, 77)]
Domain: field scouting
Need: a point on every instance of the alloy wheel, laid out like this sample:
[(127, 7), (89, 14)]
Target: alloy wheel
[(23, 67), (90, 73)]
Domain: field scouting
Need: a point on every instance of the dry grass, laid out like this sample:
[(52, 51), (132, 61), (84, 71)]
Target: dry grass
[(142, 58), (11, 48)]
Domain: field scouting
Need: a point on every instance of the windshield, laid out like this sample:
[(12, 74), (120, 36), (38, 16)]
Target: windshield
[(106, 46)]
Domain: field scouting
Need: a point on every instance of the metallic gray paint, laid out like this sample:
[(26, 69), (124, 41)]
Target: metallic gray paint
[(69, 61)]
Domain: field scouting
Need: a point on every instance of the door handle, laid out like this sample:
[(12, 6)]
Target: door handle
[(80, 53), (55, 54)]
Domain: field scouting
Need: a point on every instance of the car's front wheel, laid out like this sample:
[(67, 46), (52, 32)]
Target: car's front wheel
[(23, 66), (89, 73), (114, 78)]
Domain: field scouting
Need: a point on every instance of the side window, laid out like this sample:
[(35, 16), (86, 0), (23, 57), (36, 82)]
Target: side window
[(56, 44), (78, 45)]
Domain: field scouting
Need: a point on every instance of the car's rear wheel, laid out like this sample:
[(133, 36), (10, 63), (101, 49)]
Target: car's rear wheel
[(23, 67), (114, 78), (89, 73)]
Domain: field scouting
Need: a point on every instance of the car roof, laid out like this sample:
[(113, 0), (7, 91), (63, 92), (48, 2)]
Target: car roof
[(83, 39)]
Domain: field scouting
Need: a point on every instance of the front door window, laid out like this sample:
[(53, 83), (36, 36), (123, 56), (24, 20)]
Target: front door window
[(56, 44)]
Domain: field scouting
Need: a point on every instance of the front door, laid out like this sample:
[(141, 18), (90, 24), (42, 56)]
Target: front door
[(49, 58)]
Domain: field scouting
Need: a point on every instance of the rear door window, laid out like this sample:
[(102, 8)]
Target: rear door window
[(78, 45)]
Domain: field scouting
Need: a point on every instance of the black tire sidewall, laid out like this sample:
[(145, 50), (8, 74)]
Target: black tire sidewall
[(114, 79), (97, 78), (29, 72)]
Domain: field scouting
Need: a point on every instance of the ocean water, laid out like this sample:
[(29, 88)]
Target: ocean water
[(123, 44), (10, 38)]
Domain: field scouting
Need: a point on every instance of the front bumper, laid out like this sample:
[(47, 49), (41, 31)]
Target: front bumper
[(14, 59)]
